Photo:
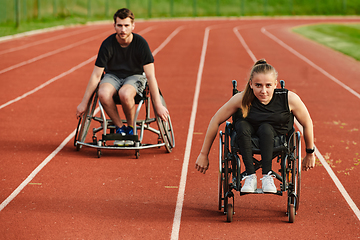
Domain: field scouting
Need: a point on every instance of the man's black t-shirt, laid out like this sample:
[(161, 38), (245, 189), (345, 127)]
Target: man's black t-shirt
[(124, 62)]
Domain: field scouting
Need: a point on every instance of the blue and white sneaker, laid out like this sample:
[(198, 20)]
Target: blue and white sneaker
[(129, 130), (124, 131), (121, 130)]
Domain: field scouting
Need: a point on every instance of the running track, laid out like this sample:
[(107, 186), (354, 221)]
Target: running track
[(50, 191)]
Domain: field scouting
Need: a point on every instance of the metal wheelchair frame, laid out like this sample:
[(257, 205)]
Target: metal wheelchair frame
[(164, 132), (230, 175)]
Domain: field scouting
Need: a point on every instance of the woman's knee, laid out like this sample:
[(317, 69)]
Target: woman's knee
[(243, 128), (266, 130)]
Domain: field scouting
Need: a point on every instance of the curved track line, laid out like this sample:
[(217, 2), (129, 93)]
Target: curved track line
[(71, 136), (331, 173), (242, 41), (180, 198), (302, 57), (168, 39)]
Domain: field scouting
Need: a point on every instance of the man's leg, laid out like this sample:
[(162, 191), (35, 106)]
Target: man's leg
[(133, 85), (127, 95), (106, 93)]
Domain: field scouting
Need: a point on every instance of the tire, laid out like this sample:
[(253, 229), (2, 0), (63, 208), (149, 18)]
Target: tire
[(229, 212), (166, 129), (84, 123), (221, 172)]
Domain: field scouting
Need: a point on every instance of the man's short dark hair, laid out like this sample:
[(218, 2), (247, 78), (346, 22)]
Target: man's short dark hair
[(124, 13)]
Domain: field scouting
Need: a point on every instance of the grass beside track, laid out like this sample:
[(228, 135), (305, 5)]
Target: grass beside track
[(344, 38)]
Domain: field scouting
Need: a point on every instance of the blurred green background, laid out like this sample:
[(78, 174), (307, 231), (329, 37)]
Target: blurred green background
[(18, 16), (18, 11)]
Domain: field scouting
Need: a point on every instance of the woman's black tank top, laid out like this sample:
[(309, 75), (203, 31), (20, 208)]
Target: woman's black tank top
[(276, 113)]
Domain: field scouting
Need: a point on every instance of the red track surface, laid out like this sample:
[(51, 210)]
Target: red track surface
[(78, 196)]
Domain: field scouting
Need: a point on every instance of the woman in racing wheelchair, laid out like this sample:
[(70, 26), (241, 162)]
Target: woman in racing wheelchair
[(266, 112)]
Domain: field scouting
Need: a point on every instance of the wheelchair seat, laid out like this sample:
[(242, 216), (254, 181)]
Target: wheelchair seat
[(280, 143)]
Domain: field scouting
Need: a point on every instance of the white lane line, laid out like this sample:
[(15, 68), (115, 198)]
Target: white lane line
[(61, 146), (48, 54), (242, 41), (168, 39), (35, 172), (57, 37), (302, 57), (48, 82), (59, 76), (180, 198), (331, 173), (335, 179)]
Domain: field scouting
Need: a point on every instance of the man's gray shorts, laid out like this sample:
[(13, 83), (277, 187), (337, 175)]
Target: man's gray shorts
[(137, 81)]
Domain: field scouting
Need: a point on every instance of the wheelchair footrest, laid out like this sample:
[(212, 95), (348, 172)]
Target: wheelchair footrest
[(260, 191), (115, 136)]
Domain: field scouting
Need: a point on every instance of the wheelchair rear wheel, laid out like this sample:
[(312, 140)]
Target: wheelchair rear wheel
[(166, 130), (294, 177), (221, 172), (225, 176), (223, 187), (84, 122)]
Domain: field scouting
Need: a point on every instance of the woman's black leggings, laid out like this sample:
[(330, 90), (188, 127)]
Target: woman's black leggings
[(266, 134)]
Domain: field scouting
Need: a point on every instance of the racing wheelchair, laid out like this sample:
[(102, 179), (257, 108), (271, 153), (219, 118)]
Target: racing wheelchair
[(164, 131), (287, 150)]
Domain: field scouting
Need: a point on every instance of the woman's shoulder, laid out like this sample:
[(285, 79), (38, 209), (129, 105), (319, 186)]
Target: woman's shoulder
[(294, 100)]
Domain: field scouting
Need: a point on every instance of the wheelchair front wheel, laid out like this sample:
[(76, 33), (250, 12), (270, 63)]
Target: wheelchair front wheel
[(229, 212), (291, 212)]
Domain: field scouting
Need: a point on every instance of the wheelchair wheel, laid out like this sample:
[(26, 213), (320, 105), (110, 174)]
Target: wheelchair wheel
[(84, 122), (221, 171), (224, 174), (166, 130), (229, 212), (294, 177), (291, 212), (298, 170)]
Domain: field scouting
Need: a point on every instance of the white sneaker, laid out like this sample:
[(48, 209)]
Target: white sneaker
[(123, 143), (119, 143), (268, 185), (250, 184)]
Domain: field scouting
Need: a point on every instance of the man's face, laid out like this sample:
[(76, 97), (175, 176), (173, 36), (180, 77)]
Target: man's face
[(123, 28)]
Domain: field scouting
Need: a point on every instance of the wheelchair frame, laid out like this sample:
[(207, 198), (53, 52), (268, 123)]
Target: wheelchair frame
[(164, 132), (230, 175)]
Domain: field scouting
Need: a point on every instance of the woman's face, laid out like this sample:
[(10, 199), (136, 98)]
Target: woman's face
[(263, 86)]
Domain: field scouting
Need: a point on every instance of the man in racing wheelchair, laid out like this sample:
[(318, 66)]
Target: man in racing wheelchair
[(266, 112), (128, 63)]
